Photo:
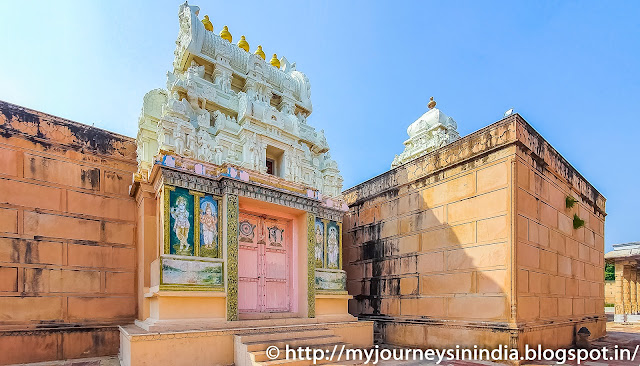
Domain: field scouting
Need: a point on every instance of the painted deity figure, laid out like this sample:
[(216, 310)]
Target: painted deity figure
[(181, 224), (333, 249), (209, 221), (319, 244)]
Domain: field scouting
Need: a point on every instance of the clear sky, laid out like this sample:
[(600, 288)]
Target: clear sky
[(570, 68)]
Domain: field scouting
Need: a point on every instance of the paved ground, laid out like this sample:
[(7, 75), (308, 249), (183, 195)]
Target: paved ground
[(97, 361), (624, 336)]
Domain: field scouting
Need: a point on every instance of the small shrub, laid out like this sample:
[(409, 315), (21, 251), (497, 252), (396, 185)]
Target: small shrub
[(570, 201)]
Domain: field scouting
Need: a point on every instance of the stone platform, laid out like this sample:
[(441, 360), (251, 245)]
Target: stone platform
[(241, 342), (622, 335)]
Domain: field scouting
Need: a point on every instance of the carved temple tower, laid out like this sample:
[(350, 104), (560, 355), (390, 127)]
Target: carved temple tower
[(240, 208)]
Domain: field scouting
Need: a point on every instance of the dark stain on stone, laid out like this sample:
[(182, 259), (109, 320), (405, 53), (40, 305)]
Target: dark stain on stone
[(31, 252), (373, 249), (32, 166), (15, 251), (375, 289), (20, 114), (85, 137), (91, 176), (98, 340), (35, 280)]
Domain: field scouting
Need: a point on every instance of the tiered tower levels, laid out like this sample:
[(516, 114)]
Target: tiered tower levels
[(224, 105)]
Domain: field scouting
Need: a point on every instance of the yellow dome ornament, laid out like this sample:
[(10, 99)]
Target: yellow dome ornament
[(224, 34), (274, 61), (242, 43), (432, 103), (207, 23), (260, 53)]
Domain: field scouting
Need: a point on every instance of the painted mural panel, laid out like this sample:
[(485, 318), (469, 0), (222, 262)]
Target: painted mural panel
[(327, 280), (192, 273), (319, 243), (181, 210), (209, 227), (333, 245)]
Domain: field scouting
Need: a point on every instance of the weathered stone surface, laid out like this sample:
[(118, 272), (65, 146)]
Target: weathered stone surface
[(66, 233), (496, 244)]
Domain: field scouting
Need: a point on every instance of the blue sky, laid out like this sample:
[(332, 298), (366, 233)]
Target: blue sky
[(570, 68)]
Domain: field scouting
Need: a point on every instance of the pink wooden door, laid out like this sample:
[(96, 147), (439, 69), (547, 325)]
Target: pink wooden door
[(249, 290), (263, 264), (276, 267)]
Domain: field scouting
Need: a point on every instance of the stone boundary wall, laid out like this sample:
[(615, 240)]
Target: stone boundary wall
[(67, 228)]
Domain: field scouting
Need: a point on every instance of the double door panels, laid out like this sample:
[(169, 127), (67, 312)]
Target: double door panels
[(263, 264)]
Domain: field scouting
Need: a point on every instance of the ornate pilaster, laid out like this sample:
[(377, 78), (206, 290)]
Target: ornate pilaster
[(311, 264), (232, 256), (196, 228), (166, 218)]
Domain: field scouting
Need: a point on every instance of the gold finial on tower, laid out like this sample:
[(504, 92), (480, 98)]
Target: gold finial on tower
[(274, 61), (242, 43), (432, 103), (207, 23), (260, 53), (224, 34)]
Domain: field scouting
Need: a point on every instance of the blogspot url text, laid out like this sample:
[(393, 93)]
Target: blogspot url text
[(372, 356)]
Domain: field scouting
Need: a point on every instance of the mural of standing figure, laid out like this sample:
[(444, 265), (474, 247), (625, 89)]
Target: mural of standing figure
[(333, 249), (209, 221), (319, 249), (181, 226)]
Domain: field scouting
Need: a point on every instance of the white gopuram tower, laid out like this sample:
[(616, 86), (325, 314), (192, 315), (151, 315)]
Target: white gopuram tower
[(224, 104), (432, 130)]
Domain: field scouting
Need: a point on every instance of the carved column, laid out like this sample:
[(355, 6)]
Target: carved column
[(633, 283), (626, 288), (619, 298), (311, 265), (232, 256)]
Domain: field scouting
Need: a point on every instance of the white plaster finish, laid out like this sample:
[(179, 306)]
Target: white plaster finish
[(432, 130), (225, 105)]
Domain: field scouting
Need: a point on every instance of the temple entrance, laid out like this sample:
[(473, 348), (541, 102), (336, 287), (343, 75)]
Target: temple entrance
[(263, 264)]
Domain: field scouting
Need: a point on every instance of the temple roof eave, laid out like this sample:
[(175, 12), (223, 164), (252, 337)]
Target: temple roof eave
[(623, 254)]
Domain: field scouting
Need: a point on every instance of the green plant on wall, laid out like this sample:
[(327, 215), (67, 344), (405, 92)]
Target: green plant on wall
[(577, 222), (570, 201), (609, 272)]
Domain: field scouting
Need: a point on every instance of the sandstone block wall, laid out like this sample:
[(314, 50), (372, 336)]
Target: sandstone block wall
[(67, 228), (610, 292), (436, 246), (560, 269)]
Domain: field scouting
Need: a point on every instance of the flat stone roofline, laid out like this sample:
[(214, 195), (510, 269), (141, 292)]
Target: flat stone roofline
[(512, 130), (48, 131), (624, 251)]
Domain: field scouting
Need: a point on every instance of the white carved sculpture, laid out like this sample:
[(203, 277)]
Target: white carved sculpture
[(431, 131), (213, 117)]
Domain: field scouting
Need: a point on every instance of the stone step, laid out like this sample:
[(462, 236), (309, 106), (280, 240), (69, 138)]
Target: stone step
[(326, 343), (161, 326), (292, 342), (284, 333)]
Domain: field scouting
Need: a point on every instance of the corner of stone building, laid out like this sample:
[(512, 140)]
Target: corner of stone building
[(67, 228)]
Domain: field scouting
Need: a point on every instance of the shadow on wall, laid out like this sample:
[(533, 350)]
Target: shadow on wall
[(429, 259)]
